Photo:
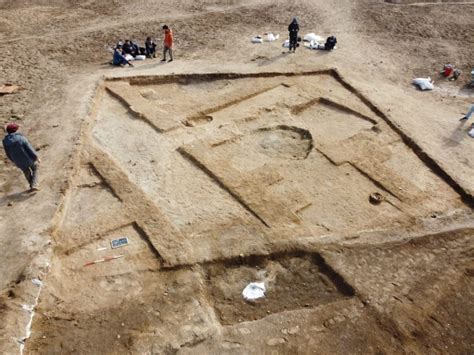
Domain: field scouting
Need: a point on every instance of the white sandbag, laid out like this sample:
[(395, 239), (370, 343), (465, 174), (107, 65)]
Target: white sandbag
[(312, 37), (257, 39), (254, 291), (471, 132), (316, 45), (129, 57), (423, 83), (140, 57), (286, 44), (271, 37)]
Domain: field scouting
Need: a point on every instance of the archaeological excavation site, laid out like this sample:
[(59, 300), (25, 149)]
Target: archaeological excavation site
[(239, 199), (219, 180)]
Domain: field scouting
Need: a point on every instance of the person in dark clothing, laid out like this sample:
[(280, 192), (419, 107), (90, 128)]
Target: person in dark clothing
[(22, 154), (119, 58), (150, 48), (293, 29), (136, 48), (128, 48)]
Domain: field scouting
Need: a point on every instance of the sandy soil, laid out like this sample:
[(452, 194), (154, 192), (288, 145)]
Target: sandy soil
[(238, 163)]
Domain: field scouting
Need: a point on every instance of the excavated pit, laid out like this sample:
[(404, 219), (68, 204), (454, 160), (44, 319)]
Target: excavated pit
[(292, 281)]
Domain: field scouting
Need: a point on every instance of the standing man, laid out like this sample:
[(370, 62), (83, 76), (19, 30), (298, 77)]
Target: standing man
[(293, 29), (22, 154), (167, 43)]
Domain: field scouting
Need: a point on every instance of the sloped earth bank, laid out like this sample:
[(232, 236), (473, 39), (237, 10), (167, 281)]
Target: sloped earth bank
[(262, 173)]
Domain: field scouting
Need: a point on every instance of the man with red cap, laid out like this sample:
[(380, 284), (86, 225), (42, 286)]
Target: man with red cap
[(22, 154)]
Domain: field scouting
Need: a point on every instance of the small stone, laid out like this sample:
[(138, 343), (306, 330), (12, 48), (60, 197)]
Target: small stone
[(10, 203), (230, 345), (55, 125), (244, 331), (294, 330), (275, 341), (123, 324), (318, 329), (118, 336)]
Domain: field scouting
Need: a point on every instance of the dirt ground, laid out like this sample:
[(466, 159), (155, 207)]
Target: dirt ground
[(237, 163)]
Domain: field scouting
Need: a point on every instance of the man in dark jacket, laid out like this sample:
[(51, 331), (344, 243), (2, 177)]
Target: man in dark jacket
[(129, 48), (150, 48), (22, 154), (293, 29)]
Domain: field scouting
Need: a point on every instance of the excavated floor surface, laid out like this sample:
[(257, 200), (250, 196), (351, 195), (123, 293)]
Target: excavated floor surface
[(219, 180)]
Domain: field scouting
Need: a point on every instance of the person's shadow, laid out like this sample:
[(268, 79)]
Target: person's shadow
[(17, 197), (268, 61), (457, 136)]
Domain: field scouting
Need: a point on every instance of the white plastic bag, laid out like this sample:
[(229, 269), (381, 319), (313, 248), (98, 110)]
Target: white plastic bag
[(254, 290), (257, 39), (312, 37), (271, 37), (286, 44), (129, 57), (140, 57), (471, 132), (424, 83), (316, 45)]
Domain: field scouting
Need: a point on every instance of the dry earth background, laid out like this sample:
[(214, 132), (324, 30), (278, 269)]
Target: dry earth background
[(394, 279)]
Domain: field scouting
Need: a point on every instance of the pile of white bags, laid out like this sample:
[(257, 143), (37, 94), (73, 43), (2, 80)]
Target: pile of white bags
[(270, 38), (313, 37)]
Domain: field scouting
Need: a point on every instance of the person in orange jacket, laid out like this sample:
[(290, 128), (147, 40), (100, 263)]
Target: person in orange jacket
[(167, 43)]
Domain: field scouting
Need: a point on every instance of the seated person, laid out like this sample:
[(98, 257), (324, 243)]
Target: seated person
[(136, 48), (128, 48), (150, 48), (119, 59)]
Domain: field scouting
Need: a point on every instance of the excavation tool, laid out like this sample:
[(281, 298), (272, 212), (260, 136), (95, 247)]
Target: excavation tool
[(107, 258)]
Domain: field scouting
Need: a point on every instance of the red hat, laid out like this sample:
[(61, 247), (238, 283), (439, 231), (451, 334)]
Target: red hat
[(12, 127)]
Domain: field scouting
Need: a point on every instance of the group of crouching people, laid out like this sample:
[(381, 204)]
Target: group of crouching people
[(126, 52)]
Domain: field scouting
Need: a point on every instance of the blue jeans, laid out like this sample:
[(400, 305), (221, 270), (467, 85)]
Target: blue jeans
[(470, 112), (31, 174)]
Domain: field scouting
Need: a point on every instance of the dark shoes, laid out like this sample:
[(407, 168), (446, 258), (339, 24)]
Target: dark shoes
[(463, 119), (170, 60), (163, 60)]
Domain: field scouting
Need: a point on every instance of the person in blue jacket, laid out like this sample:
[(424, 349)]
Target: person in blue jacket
[(119, 58), (22, 154)]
